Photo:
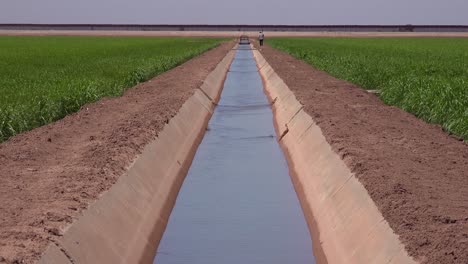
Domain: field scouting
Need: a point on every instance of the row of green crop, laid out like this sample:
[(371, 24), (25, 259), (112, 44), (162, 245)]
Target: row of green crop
[(425, 76), (42, 79)]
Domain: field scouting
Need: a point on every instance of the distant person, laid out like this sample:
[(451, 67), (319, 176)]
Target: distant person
[(261, 37)]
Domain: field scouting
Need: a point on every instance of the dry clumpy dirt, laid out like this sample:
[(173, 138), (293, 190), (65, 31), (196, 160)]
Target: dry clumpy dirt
[(52, 173), (415, 172)]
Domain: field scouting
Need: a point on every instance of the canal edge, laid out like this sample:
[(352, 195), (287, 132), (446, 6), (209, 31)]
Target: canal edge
[(332, 242), (126, 223)]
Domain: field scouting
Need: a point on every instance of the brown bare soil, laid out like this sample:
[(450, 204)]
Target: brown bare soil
[(226, 33), (415, 172), (50, 174)]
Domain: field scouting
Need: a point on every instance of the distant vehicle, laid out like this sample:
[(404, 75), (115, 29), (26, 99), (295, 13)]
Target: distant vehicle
[(244, 40)]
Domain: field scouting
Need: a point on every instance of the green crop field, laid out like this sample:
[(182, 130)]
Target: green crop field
[(427, 77), (42, 79)]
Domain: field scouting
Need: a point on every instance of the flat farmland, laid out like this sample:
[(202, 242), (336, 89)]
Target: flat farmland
[(42, 79), (424, 76)]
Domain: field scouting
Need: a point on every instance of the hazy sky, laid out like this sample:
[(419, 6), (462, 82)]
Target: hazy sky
[(236, 12)]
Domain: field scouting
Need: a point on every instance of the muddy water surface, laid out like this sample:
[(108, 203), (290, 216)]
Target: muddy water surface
[(237, 204)]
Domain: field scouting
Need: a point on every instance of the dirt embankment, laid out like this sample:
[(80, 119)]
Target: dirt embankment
[(218, 34), (49, 175), (415, 172)]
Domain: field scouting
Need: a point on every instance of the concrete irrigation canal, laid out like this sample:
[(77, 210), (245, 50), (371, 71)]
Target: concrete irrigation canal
[(237, 203), (241, 174)]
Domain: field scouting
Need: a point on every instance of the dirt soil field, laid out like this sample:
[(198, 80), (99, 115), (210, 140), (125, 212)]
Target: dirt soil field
[(50, 174), (253, 34), (416, 173)]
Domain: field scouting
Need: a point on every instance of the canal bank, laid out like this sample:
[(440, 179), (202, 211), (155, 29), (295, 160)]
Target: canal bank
[(124, 224), (345, 223)]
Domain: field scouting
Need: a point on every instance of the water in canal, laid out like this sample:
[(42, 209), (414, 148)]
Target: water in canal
[(237, 203)]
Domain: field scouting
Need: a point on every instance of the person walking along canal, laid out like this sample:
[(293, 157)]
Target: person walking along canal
[(261, 38)]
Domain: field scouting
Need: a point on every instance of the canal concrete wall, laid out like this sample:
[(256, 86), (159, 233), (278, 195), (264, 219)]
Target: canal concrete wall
[(342, 216), (126, 224)]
